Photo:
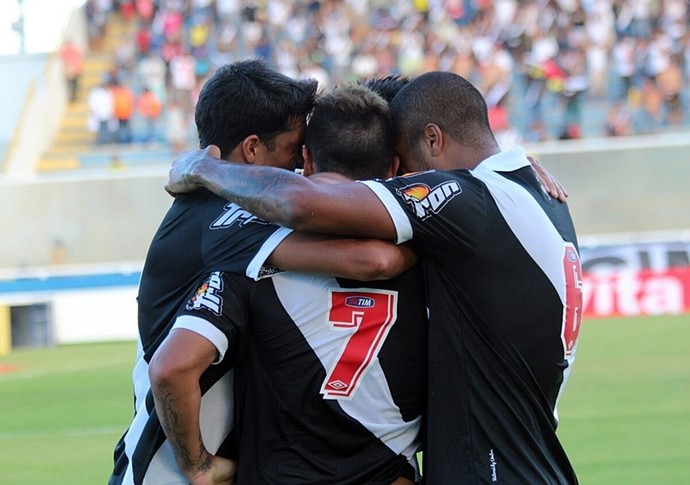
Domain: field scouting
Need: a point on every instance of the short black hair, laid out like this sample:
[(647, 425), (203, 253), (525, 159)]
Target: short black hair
[(448, 100), (351, 132), (388, 86), (249, 97)]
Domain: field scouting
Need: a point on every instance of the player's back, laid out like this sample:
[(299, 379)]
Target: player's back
[(200, 232), (501, 274), (502, 320), (335, 381)]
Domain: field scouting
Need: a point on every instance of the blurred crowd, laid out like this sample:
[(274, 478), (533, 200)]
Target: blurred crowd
[(532, 59)]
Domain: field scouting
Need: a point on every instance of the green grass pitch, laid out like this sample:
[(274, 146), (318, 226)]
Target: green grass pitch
[(625, 415)]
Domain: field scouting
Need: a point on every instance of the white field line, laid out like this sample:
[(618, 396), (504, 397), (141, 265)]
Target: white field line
[(20, 375), (93, 431)]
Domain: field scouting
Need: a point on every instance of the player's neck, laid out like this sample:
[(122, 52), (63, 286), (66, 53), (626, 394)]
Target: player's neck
[(468, 158)]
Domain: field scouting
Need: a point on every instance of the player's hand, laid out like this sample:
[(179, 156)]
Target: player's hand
[(550, 184), (179, 177), (221, 472)]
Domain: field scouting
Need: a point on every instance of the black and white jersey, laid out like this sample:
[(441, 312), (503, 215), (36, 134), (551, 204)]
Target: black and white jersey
[(504, 291), (143, 455), (200, 233), (333, 387)]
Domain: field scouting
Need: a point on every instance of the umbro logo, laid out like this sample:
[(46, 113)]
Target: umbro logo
[(337, 385)]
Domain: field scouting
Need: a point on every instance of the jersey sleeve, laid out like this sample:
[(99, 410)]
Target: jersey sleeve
[(257, 268), (403, 227), (436, 210), (217, 310), (236, 240)]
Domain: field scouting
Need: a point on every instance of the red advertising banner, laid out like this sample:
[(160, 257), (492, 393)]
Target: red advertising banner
[(631, 293)]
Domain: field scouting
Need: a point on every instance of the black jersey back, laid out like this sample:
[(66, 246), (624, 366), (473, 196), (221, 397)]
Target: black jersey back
[(335, 381), (504, 293), (200, 233)]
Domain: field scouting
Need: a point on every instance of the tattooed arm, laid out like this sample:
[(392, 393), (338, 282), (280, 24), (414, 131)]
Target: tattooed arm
[(284, 197), (174, 372)]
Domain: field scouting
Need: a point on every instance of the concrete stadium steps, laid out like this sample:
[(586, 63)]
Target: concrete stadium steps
[(75, 137), (73, 145), (50, 162), (75, 118), (107, 156)]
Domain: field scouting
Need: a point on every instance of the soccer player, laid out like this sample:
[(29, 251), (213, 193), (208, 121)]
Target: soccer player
[(258, 116), (333, 386), (502, 273), (203, 229), (334, 383)]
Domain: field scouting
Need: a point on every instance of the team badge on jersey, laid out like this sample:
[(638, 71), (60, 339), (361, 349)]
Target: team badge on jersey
[(427, 201), (208, 295)]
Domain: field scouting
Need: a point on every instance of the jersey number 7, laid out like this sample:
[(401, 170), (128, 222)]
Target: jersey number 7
[(372, 314)]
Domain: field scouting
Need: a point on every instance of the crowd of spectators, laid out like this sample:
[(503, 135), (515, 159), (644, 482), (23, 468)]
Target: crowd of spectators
[(532, 59)]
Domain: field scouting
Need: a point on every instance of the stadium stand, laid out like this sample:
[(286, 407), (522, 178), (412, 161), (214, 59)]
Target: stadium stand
[(74, 145), (74, 136), (555, 73)]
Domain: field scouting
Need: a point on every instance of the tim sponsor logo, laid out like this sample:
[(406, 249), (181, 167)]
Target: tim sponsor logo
[(427, 201), (360, 302), (233, 213)]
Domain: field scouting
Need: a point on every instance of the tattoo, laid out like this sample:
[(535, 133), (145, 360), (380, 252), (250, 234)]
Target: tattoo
[(170, 421), (205, 464), (255, 189)]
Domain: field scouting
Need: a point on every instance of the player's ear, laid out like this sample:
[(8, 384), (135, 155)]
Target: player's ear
[(432, 137), (251, 149), (309, 166), (394, 168)]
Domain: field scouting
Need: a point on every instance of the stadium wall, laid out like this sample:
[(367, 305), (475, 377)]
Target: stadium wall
[(623, 185), (71, 304), (105, 217)]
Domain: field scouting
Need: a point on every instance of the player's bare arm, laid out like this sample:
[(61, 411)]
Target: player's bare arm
[(283, 197), (174, 372), (358, 259)]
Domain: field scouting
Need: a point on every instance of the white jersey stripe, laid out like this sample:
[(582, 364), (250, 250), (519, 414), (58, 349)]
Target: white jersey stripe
[(163, 469), (522, 212), (216, 418), (374, 405)]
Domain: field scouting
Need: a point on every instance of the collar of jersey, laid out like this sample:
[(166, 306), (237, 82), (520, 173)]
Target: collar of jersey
[(505, 161)]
